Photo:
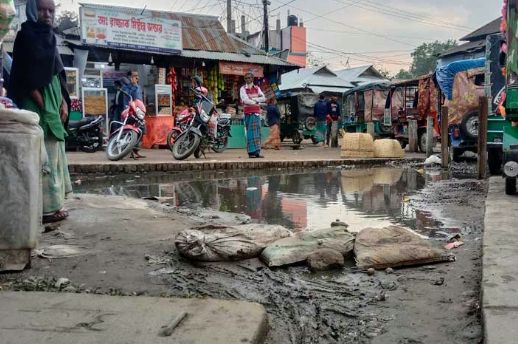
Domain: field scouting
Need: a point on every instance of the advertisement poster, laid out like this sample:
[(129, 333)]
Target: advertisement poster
[(164, 104), (72, 82), (130, 28), (95, 101)]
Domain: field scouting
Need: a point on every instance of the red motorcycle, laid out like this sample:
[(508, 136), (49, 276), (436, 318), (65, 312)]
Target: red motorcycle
[(182, 122), (125, 139)]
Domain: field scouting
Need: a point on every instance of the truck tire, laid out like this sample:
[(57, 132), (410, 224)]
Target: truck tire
[(510, 186), (469, 125), (494, 160)]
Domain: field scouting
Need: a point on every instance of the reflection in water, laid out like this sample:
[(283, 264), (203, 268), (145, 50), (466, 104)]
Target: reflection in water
[(303, 201)]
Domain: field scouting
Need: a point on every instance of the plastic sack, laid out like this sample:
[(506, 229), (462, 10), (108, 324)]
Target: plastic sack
[(21, 147), (297, 248), (220, 243), (394, 246)]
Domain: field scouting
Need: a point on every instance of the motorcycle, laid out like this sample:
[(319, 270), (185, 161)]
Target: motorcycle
[(85, 134), (125, 139), (207, 129), (182, 121)]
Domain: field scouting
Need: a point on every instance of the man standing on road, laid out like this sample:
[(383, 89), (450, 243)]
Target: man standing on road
[(320, 111), (134, 90), (252, 97), (334, 113)]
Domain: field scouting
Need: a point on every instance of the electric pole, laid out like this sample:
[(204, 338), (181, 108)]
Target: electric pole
[(266, 26), (229, 16)]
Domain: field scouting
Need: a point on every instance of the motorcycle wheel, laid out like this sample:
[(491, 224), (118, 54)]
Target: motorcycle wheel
[(171, 137), (118, 149), (94, 145), (185, 145), (220, 146)]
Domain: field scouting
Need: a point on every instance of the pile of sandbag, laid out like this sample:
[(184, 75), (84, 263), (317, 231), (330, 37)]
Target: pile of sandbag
[(323, 249)]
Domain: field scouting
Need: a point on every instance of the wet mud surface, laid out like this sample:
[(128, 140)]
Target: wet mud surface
[(428, 304)]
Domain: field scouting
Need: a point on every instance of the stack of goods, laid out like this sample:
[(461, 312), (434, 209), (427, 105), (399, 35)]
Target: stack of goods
[(215, 83), (357, 145), (387, 148)]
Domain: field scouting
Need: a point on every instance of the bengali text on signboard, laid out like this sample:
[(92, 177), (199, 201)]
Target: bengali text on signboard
[(128, 28)]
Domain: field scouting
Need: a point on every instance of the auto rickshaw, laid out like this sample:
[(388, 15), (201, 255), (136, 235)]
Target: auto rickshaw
[(297, 117), (366, 104), (415, 99)]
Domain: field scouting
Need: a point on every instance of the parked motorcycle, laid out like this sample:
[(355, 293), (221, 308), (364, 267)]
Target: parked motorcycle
[(125, 139), (207, 129), (85, 134), (182, 122)]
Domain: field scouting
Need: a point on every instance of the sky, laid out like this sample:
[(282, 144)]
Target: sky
[(348, 33)]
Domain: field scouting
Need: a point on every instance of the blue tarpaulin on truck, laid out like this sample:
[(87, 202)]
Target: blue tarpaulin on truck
[(446, 74)]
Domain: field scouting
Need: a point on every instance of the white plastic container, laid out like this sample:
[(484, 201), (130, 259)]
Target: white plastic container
[(21, 152)]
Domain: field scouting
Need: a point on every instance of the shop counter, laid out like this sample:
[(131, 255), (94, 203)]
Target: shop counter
[(157, 128)]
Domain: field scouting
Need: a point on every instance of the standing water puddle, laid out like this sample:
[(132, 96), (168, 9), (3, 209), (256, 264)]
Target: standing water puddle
[(307, 200)]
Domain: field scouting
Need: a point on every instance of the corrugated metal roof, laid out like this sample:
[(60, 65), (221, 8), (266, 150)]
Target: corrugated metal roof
[(316, 76), (355, 75), (469, 47), (223, 56), (488, 29)]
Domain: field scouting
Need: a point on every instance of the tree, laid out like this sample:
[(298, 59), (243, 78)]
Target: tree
[(384, 73), (425, 56), (67, 20), (403, 75)]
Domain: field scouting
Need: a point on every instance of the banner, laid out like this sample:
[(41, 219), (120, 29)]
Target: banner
[(129, 28), (236, 68)]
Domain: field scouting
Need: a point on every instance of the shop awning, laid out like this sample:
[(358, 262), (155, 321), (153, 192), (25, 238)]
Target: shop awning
[(222, 56)]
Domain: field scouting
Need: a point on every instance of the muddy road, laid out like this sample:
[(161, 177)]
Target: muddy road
[(428, 304)]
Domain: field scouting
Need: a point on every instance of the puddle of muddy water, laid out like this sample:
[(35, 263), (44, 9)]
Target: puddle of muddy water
[(307, 200)]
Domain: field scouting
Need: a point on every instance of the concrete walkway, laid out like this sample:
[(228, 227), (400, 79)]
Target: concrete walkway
[(500, 266), (162, 160), (64, 318)]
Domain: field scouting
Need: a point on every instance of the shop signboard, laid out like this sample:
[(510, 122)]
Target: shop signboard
[(130, 28), (236, 68), (72, 82), (163, 100)]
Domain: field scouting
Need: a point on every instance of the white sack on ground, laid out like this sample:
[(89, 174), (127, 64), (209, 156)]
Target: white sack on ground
[(297, 248), (21, 145), (394, 246), (220, 243)]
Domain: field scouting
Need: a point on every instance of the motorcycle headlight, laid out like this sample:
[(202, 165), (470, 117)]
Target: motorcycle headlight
[(140, 114)]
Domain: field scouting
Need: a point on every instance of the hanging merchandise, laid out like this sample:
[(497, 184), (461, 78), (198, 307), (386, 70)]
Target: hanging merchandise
[(171, 80)]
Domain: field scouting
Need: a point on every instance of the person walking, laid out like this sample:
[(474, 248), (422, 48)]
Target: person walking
[(273, 118), (38, 84), (320, 111), (335, 115), (252, 96)]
